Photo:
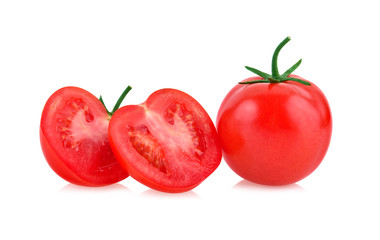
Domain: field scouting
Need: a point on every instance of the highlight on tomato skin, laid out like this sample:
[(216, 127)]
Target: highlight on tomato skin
[(168, 143), (274, 129), (283, 132), (74, 139)]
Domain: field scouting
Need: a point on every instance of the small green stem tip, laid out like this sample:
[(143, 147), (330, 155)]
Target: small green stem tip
[(275, 72), (118, 103), (276, 77)]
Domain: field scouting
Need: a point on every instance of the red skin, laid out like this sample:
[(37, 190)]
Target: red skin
[(74, 139), (168, 143), (274, 133)]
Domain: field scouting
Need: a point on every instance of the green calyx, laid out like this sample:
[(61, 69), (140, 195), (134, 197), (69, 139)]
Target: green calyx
[(276, 77), (118, 103)]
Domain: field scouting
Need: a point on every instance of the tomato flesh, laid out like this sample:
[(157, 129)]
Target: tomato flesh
[(74, 139), (168, 143)]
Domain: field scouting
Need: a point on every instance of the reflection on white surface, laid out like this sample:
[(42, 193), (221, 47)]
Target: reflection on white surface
[(110, 188), (72, 188), (244, 184), (154, 193)]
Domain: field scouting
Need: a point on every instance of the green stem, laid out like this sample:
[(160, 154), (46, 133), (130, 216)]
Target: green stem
[(273, 80), (101, 100), (275, 73), (291, 69), (120, 100), (118, 103), (258, 72), (276, 77)]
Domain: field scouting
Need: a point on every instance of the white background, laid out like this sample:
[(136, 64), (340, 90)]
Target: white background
[(200, 47)]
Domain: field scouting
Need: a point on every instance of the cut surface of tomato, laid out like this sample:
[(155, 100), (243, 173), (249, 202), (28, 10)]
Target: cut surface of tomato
[(74, 139), (168, 143)]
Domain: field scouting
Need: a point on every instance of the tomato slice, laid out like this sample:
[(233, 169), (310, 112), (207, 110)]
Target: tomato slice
[(74, 139), (168, 143)]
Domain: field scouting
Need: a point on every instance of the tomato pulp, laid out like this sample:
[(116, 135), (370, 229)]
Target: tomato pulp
[(274, 129), (74, 139), (168, 143)]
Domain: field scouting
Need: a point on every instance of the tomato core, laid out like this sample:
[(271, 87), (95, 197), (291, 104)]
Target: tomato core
[(147, 146), (176, 129), (183, 122), (76, 122)]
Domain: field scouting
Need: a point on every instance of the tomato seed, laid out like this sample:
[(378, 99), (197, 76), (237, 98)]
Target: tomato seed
[(147, 146)]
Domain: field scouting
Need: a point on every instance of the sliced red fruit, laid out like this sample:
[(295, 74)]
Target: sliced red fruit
[(168, 143), (74, 139)]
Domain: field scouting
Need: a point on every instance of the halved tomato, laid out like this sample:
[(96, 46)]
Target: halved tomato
[(74, 138), (168, 143)]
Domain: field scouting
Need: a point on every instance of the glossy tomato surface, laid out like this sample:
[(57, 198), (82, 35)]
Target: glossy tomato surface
[(168, 143), (74, 139), (274, 133)]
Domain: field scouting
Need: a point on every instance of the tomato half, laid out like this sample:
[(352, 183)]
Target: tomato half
[(274, 129), (168, 143), (74, 139)]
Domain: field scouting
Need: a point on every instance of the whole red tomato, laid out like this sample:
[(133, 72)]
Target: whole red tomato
[(74, 138), (274, 129), (168, 143)]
